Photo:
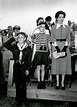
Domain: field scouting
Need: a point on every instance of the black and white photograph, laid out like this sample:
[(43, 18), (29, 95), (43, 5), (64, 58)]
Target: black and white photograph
[(38, 53)]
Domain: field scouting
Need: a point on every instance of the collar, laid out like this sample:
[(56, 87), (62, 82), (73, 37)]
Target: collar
[(22, 47), (58, 25)]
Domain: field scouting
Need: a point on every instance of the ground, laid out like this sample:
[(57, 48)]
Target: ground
[(10, 101)]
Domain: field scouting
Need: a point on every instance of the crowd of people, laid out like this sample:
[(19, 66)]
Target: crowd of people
[(48, 41)]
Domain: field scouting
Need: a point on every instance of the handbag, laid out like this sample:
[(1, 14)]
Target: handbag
[(57, 55)]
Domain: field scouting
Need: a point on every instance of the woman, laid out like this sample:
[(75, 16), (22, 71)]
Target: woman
[(61, 59), (22, 59), (48, 24)]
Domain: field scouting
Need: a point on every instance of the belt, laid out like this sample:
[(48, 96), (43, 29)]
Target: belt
[(43, 48), (61, 40)]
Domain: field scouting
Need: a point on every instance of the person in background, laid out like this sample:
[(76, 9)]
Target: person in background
[(6, 54), (48, 24), (36, 30), (16, 29), (40, 19), (1, 61), (10, 31), (22, 60), (42, 53), (61, 56)]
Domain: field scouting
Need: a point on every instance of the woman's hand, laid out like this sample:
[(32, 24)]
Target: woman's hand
[(57, 48), (64, 49), (26, 72)]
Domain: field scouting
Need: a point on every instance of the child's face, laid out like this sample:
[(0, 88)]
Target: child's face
[(21, 38), (42, 28)]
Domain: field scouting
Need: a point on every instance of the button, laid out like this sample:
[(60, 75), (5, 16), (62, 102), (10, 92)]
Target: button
[(61, 35), (61, 26)]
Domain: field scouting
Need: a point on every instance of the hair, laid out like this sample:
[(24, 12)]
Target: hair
[(23, 33), (58, 13), (42, 23), (37, 21), (48, 18)]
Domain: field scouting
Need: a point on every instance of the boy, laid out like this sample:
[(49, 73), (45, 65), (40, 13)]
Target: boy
[(22, 59), (42, 42)]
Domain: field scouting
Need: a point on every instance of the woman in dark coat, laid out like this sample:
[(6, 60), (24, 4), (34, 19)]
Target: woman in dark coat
[(22, 59), (61, 57)]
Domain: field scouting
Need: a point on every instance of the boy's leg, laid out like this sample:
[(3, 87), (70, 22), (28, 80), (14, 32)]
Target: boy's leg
[(38, 72), (42, 72), (38, 77), (42, 76)]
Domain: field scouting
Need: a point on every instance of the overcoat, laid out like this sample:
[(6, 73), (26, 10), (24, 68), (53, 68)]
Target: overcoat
[(61, 65), (19, 69)]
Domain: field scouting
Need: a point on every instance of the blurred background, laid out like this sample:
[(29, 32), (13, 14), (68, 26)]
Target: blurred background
[(25, 12)]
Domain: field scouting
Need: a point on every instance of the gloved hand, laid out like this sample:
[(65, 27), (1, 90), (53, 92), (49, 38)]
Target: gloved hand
[(57, 48), (64, 49)]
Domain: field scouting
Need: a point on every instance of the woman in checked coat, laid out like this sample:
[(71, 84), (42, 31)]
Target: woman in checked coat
[(61, 57)]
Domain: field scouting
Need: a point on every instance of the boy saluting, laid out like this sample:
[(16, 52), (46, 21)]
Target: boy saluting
[(22, 59)]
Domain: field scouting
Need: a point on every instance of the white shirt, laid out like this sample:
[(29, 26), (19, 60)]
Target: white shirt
[(58, 25)]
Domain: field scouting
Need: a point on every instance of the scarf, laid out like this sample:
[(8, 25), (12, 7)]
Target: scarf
[(21, 49)]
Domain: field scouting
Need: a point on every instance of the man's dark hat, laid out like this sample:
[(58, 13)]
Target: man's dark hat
[(16, 27)]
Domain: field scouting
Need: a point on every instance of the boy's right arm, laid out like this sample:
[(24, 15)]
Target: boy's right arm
[(8, 44)]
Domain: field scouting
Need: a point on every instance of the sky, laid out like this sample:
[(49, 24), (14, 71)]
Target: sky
[(26, 12)]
